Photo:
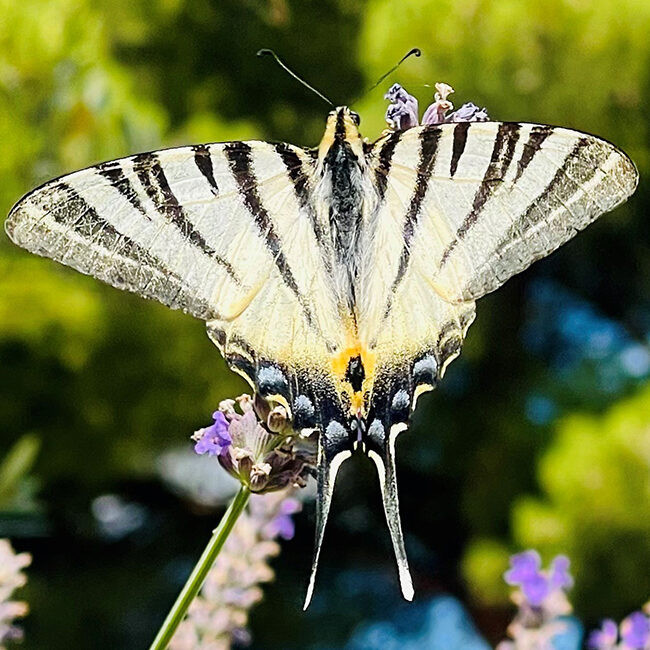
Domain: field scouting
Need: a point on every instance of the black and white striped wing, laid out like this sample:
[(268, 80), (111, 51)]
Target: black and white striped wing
[(467, 206), (502, 195), (223, 231)]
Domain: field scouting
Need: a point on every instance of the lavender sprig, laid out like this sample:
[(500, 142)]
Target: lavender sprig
[(11, 578), (541, 599), (220, 613), (255, 443)]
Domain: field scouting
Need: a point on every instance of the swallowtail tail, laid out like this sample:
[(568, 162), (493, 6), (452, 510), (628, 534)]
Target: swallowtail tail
[(339, 281)]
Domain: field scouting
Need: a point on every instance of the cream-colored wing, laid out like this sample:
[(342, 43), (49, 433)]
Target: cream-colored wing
[(225, 232), (465, 206)]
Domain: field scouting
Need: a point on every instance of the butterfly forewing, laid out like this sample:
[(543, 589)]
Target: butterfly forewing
[(468, 205), (511, 195), (220, 231)]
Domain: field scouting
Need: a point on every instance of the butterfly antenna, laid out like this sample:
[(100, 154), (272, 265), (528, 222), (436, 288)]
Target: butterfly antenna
[(267, 52), (413, 52)]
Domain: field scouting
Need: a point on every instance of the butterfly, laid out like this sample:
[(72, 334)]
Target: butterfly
[(339, 281)]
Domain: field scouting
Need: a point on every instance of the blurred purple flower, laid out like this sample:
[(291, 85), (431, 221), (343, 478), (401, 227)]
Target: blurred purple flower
[(537, 585), (635, 631), (218, 617), (536, 589), (605, 638), (523, 566), (402, 112), (11, 578), (215, 439), (541, 600), (282, 525)]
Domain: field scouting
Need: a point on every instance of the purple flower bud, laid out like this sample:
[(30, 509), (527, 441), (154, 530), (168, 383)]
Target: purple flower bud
[(437, 112), (523, 566), (282, 526), (396, 94), (215, 439), (605, 638), (635, 631), (560, 576), (468, 112), (402, 113)]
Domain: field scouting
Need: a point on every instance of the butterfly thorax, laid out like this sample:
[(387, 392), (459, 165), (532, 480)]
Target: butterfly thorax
[(343, 187), (341, 166)]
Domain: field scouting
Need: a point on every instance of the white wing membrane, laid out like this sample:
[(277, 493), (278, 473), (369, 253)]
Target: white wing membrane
[(467, 206), (216, 230)]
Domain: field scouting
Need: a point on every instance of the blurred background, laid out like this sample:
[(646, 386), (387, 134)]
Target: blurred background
[(540, 434)]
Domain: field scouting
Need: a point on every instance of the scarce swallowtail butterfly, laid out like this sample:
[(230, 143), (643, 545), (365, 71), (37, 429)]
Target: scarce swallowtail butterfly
[(339, 281)]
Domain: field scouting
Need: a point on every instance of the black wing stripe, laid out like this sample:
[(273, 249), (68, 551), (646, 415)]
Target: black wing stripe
[(240, 160), (428, 150), (149, 171), (114, 174), (76, 213), (534, 143), (300, 180), (203, 161), (556, 194), (502, 154), (460, 140), (382, 168)]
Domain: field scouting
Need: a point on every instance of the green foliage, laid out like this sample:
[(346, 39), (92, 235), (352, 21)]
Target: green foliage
[(15, 492), (579, 64), (484, 563), (596, 483), (596, 498)]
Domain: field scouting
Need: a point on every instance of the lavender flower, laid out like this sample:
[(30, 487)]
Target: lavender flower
[(538, 586), (523, 567), (435, 113), (256, 445), (541, 599), (219, 615), (402, 113), (605, 638), (213, 440), (468, 112), (635, 632), (11, 577)]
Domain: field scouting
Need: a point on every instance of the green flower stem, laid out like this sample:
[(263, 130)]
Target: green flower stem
[(200, 572)]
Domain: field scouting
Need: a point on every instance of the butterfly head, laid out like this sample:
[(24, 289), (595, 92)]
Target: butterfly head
[(342, 129)]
